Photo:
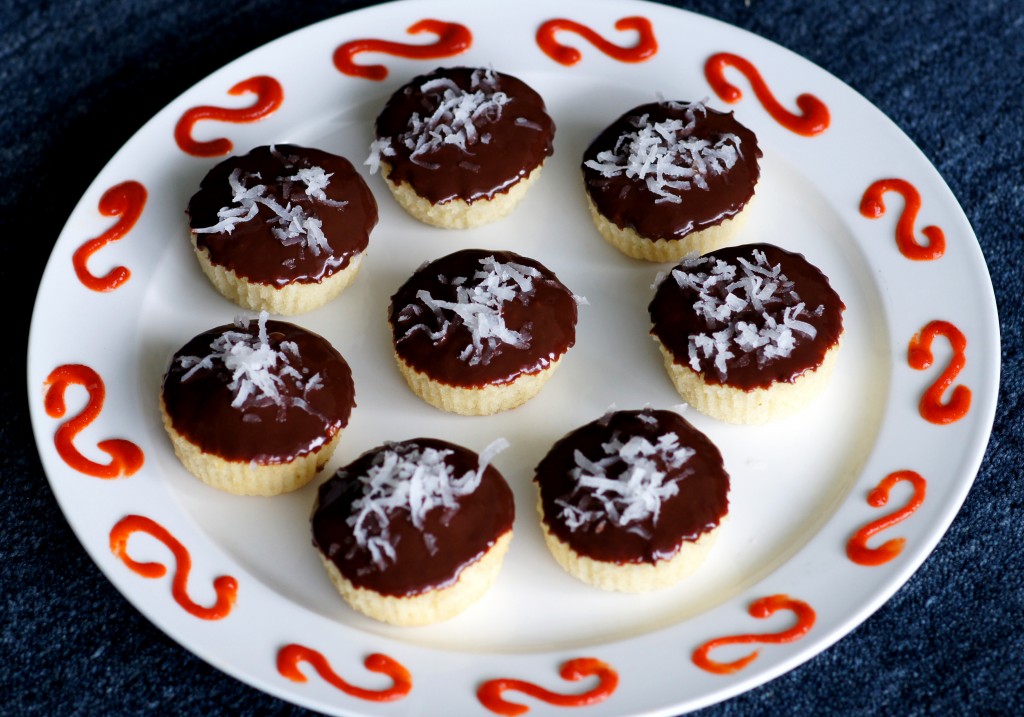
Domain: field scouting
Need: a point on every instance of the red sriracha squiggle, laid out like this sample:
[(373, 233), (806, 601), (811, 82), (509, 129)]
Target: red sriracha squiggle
[(814, 120), (225, 586), (289, 657), (919, 356), (490, 692), (126, 201), (452, 39), (646, 45), (872, 207), (765, 607), (269, 96), (125, 457), (857, 549)]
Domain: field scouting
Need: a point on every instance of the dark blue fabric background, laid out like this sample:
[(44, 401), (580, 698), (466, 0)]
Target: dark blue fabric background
[(78, 78)]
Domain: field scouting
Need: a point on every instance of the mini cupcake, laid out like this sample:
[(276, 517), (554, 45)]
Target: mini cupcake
[(282, 229), (256, 407), (749, 334), (633, 501), (477, 332), (413, 533), (460, 146), (670, 178)]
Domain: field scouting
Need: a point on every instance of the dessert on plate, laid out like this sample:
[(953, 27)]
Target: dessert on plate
[(477, 332), (669, 178), (414, 532), (748, 333), (256, 407), (460, 146), (633, 501), (283, 228)]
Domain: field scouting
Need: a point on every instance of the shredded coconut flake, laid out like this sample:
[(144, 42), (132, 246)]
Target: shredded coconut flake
[(626, 484), (667, 157), (258, 370), (405, 478), (379, 149), (478, 306), (523, 122)]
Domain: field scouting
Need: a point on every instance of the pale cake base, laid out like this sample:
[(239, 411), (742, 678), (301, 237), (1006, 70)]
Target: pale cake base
[(458, 213), (288, 300), (481, 401), (247, 477), (629, 577), (760, 405), (633, 244), (431, 606)]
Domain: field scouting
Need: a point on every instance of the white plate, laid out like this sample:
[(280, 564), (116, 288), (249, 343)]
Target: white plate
[(799, 486)]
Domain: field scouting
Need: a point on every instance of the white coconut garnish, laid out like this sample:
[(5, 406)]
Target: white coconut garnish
[(528, 124), (291, 223), (406, 478), (667, 156), (478, 305), (260, 374), (748, 307), (455, 118), (625, 484), (379, 149)]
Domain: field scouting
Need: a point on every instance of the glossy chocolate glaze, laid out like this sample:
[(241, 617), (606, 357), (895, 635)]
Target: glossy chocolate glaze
[(674, 321), (460, 537), (548, 313), (251, 249), (698, 507), (518, 142), (200, 408), (629, 204)]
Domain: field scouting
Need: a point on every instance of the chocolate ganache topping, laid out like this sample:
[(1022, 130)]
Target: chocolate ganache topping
[(283, 214), (265, 391), (632, 486), (667, 169), (747, 316), (462, 133), (478, 317), (405, 518)]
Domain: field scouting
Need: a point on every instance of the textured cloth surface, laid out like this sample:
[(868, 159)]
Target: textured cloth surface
[(81, 77)]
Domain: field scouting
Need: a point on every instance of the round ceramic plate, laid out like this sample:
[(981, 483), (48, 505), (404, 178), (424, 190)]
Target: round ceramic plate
[(800, 487)]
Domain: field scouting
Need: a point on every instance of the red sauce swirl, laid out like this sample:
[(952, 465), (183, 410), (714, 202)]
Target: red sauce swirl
[(645, 48), (872, 207), (919, 356), (269, 96), (491, 692), (289, 657), (762, 608), (815, 117), (125, 201), (225, 586), (857, 548), (125, 457), (698, 506), (452, 39)]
